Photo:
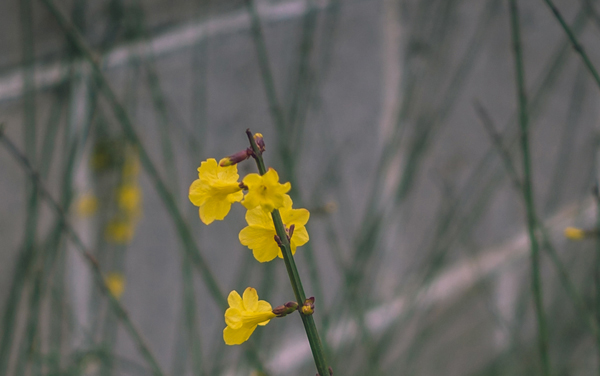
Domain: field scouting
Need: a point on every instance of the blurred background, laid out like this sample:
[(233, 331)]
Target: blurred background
[(395, 122)]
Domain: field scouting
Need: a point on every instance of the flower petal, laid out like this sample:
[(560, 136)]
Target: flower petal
[(208, 169), (235, 197), (250, 299), (228, 174), (264, 306), (268, 253), (300, 236), (252, 179), (197, 193), (261, 241), (258, 218), (235, 300), (271, 176), (296, 217), (287, 201), (237, 336), (214, 209), (233, 318)]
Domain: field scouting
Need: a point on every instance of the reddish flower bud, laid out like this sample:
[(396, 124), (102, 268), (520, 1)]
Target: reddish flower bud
[(308, 308), (260, 142), (235, 158), (285, 309)]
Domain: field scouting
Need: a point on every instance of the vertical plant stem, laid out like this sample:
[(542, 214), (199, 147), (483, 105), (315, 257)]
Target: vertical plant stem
[(536, 283), (309, 324)]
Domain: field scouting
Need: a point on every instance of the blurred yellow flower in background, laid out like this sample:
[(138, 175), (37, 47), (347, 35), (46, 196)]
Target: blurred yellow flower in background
[(129, 197), (215, 190), (260, 233), (120, 230), (265, 191), (87, 205), (115, 283), (244, 315)]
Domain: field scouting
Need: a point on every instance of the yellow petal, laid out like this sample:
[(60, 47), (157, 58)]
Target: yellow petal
[(208, 169), (197, 193), (287, 201), (267, 254), (296, 217), (235, 197), (258, 218), (214, 209), (252, 179), (235, 300), (299, 237), (250, 299), (264, 306), (233, 318), (271, 176), (261, 241), (237, 336), (228, 174)]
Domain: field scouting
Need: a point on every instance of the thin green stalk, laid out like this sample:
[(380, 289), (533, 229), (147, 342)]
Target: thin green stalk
[(536, 282), (547, 245), (574, 41), (597, 269), (87, 256), (309, 324), (30, 343), (564, 155)]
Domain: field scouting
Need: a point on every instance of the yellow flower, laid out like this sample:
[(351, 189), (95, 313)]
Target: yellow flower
[(573, 233), (215, 190), (243, 315), (87, 205), (129, 197), (115, 282), (265, 191), (260, 233), (120, 231)]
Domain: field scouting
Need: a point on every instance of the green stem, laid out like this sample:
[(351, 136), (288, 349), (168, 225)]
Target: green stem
[(309, 324), (574, 42), (536, 283)]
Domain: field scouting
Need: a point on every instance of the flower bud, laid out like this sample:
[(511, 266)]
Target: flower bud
[(308, 308), (285, 309), (235, 158), (260, 142)]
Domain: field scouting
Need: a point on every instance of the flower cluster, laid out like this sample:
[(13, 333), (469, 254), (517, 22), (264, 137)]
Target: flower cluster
[(216, 189)]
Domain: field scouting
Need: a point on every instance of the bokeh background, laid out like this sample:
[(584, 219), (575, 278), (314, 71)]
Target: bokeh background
[(394, 120)]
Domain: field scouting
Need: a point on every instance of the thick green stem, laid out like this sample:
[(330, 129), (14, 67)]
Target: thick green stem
[(536, 283), (309, 324)]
